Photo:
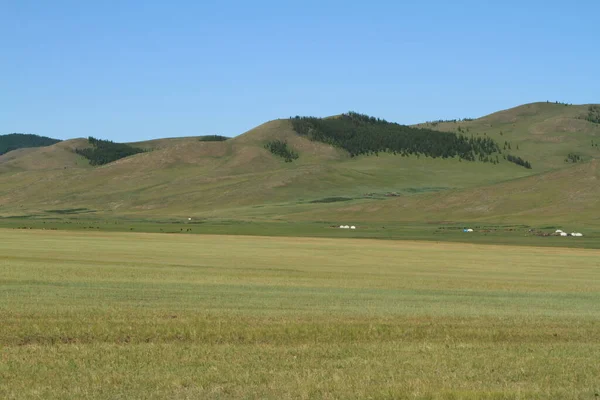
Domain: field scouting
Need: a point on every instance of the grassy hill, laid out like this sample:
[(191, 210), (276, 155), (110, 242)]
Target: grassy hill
[(239, 179), (543, 132), (567, 195), (58, 156)]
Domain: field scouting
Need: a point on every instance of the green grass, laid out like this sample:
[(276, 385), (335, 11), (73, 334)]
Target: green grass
[(130, 315), (239, 180), (485, 233), (543, 132)]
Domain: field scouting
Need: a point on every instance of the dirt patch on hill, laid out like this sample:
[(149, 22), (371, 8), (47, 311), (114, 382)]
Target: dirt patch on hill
[(547, 130)]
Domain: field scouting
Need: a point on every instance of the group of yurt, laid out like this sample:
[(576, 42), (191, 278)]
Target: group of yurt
[(347, 227), (562, 233)]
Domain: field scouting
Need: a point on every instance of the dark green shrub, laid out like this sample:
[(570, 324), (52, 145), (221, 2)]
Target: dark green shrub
[(105, 151), (281, 149)]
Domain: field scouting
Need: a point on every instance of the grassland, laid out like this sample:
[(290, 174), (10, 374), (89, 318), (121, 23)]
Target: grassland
[(83, 220), (130, 315), (240, 180)]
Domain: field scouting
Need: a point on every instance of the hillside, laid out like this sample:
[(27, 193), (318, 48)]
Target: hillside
[(570, 195), (360, 134), (240, 179), (59, 156), (15, 141), (102, 152), (544, 133)]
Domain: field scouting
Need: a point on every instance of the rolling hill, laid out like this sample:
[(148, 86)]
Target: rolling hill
[(240, 179), (567, 195)]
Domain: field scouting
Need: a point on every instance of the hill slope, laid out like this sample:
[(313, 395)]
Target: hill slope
[(545, 133), (57, 156), (568, 195), (238, 178)]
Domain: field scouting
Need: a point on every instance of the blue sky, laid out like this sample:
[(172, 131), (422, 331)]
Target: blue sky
[(133, 70)]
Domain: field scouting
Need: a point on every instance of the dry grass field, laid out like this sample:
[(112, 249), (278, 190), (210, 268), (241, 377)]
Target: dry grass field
[(129, 315)]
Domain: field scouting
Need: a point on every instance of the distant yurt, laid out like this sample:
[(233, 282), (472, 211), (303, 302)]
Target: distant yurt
[(564, 234), (352, 227)]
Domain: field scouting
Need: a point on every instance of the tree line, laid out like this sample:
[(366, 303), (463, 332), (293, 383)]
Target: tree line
[(213, 138), (361, 134), (455, 120), (518, 161), (14, 141), (281, 149), (106, 151), (593, 114), (562, 103)]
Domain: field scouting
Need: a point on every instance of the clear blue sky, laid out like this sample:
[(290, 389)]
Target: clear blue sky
[(132, 70)]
